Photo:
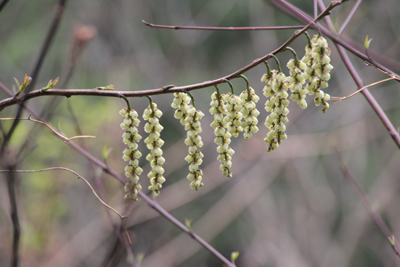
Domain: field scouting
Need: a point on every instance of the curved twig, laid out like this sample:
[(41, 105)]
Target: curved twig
[(339, 99), (48, 126), (77, 175)]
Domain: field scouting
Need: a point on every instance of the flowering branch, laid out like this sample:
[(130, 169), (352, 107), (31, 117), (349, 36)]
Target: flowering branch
[(152, 203), (168, 89), (341, 46)]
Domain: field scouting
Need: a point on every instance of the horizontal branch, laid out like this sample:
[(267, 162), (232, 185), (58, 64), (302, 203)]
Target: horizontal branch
[(167, 89), (222, 28)]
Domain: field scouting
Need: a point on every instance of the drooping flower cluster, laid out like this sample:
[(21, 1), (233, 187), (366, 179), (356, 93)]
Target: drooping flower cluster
[(233, 117), (296, 81), (190, 118), (131, 137), (249, 112), (193, 140), (154, 143), (276, 90), (222, 136), (317, 70)]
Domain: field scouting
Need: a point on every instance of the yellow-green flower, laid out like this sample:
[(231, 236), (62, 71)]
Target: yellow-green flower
[(276, 89), (131, 154), (250, 113), (154, 144), (222, 136)]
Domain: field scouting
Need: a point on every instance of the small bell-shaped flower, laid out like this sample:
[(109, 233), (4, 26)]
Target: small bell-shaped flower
[(296, 81), (131, 154), (250, 112), (154, 143), (222, 136), (276, 91), (233, 117)]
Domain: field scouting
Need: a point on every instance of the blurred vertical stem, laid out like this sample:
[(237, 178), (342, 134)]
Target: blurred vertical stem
[(3, 4), (367, 204), (45, 48), (14, 216)]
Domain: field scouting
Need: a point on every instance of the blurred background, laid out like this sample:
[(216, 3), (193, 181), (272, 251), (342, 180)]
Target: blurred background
[(289, 207)]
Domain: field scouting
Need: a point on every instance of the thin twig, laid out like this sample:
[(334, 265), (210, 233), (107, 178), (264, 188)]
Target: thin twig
[(357, 79), (185, 229), (338, 99), (315, 8), (77, 175), (222, 28), (86, 181), (352, 12), (45, 48), (48, 126), (367, 204)]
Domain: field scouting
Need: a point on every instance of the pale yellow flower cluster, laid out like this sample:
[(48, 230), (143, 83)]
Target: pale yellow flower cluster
[(249, 112), (222, 136), (190, 118), (154, 143), (276, 92), (317, 70), (131, 137)]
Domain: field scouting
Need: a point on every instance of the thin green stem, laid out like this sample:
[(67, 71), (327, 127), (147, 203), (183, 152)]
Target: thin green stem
[(230, 84), (269, 73), (151, 104), (218, 93), (126, 100), (308, 39), (191, 96), (277, 63), (247, 85), (296, 59)]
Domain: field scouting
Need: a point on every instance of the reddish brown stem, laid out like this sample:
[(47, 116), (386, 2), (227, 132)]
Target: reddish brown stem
[(221, 28), (367, 204)]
